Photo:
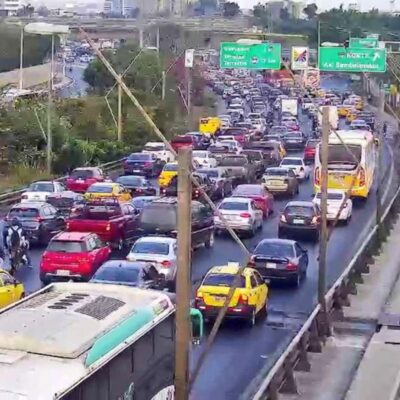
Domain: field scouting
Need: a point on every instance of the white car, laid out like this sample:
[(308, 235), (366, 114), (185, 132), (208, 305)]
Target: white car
[(335, 200), (241, 214), (160, 251), (204, 158), (258, 124), (225, 137), (159, 150), (38, 191), (235, 145), (298, 166)]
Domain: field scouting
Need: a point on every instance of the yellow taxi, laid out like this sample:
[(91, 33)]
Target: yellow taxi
[(249, 300), (104, 190), (209, 125), (168, 172), (343, 109), (358, 102), (282, 150), (10, 289), (352, 114)]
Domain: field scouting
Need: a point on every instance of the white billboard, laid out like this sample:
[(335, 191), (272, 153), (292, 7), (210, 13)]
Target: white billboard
[(300, 57)]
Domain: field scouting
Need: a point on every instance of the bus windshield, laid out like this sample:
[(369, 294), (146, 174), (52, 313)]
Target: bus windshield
[(338, 154)]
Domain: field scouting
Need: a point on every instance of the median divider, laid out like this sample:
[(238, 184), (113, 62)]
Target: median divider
[(280, 377), (10, 198)]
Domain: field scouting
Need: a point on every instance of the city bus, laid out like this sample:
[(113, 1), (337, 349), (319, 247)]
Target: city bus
[(342, 166), (88, 341)]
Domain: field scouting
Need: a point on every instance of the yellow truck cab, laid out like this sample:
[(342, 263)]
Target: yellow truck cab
[(209, 125)]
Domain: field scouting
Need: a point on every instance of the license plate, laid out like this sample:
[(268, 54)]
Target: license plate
[(219, 298), (298, 221), (63, 272), (80, 180), (136, 170), (271, 265), (274, 183)]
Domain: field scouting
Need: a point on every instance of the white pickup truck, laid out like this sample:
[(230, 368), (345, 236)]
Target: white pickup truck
[(159, 150)]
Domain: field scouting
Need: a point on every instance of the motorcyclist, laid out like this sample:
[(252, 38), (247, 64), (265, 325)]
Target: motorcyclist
[(16, 238)]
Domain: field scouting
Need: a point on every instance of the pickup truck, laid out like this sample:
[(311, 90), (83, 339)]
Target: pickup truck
[(115, 223), (239, 168)]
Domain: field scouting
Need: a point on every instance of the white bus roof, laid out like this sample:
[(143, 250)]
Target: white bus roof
[(55, 337), (351, 137)]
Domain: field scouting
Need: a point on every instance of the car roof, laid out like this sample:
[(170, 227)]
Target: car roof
[(87, 169), (277, 240), (111, 184), (292, 158), (125, 264), (236, 199), (72, 236), (32, 204), (156, 239), (231, 268), (43, 181)]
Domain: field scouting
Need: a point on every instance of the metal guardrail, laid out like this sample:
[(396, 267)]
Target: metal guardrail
[(7, 199), (310, 338)]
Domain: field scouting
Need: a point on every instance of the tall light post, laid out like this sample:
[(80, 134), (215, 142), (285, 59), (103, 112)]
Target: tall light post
[(42, 28)]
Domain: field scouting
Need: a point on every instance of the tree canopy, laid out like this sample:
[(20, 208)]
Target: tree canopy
[(231, 9)]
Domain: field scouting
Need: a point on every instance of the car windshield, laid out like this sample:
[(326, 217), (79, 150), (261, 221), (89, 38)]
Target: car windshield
[(276, 172), (150, 248), (247, 191), (182, 139), (41, 187), (234, 161), (99, 212), (23, 213), (200, 154), (155, 147), (234, 131), (253, 155), (139, 157), (277, 129), (100, 189), (159, 217), (306, 211), (293, 136), (117, 274), (291, 161), (234, 206), (141, 202), (218, 149), (225, 280), (62, 246), (170, 167), (130, 180), (274, 249), (211, 173), (332, 196), (82, 174), (312, 143), (338, 154)]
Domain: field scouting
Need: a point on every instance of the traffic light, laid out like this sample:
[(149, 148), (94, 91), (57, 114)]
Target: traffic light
[(346, 43)]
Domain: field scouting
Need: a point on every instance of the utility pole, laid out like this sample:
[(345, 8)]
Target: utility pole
[(158, 40), (163, 84), (21, 60), (49, 109), (323, 245), (189, 90), (183, 279), (379, 162), (119, 128)]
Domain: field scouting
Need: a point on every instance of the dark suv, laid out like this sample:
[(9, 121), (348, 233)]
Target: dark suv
[(161, 218)]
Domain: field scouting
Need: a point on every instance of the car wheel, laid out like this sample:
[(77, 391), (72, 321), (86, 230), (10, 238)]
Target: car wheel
[(210, 241), (44, 279), (296, 281), (253, 230), (252, 318), (262, 314), (280, 233)]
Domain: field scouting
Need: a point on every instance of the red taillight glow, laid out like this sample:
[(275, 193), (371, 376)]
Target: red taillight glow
[(38, 219), (166, 264), (243, 299), (283, 218), (147, 164), (245, 215), (316, 176), (291, 267), (361, 177)]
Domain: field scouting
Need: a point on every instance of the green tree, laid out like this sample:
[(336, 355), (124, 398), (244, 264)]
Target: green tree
[(231, 9), (311, 10), (284, 14)]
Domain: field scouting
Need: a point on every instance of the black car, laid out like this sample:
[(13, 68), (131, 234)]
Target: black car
[(220, 179), (141, 202), (280, 259), (129, 273), (294, 141), (300, 217), (137, 185), (160, 217), (143, 164), (41, 221), (67, 203)]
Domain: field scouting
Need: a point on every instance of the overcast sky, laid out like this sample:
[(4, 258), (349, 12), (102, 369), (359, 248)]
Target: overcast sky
[(324, 4)]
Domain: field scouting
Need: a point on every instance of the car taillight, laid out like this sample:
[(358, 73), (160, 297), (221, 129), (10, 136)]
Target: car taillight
[(315, 220), (148, 164), (196, 192), (108, 227), (361, 177), (283, 218), (24, 196), (316, 176), (291, 267), (245, 215), (166, 264), (243, 299), (38, 219)]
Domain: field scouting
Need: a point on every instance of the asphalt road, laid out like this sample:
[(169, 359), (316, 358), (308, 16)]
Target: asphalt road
[(239, 353), (78, 86)]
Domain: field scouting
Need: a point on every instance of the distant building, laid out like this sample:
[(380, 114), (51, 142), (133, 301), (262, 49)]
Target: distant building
[(10, 7), (123, 8), (354, 7), (295, 8)]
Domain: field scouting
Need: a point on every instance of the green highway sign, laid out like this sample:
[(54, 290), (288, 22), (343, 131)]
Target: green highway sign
[(363, 43), (340, 59), (250, 56)]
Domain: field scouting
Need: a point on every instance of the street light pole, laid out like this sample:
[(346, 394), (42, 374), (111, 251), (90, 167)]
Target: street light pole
[(21, 60), (49, 109), (119, 135)]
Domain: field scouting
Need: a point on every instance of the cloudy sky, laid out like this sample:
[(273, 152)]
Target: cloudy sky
[(324, 4)]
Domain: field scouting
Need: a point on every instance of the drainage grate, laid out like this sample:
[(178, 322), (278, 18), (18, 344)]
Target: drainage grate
[(101, 307)]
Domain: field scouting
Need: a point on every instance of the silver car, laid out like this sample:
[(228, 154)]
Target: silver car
[(159, 250), (241, 214)]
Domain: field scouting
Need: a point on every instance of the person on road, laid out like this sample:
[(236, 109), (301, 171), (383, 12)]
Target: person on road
[(17, 239), (384, 128)]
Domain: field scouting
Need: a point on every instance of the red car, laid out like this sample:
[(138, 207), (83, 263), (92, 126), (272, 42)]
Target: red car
[(73, 255), (183, 141), (240, 134), (262, 197), (81, 178), (309, 151)]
